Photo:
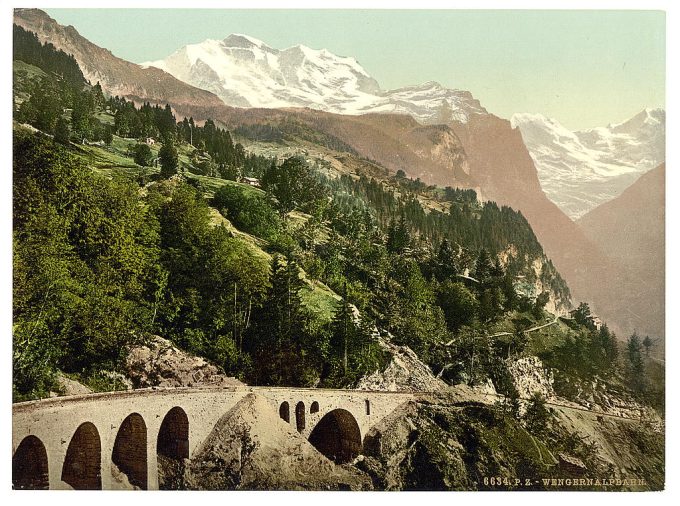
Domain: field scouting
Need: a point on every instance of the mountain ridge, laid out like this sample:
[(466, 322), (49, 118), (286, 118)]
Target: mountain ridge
[(120, 77), (246, 72), (631, 229)]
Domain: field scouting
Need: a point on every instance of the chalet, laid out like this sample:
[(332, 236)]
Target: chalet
[(251, 181)]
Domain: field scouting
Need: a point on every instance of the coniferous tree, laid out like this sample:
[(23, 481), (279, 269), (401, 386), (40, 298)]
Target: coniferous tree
[(62, 132), (636, 366), (168, 158), (344, 331)]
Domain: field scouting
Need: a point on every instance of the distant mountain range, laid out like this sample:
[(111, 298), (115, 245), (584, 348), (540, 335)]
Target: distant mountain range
[(577, 170), (454, 142), (246, 72), (581, 170)]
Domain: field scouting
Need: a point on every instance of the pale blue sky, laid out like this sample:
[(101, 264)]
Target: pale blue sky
[(584, 68)]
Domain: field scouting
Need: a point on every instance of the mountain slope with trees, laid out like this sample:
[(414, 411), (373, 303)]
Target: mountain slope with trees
[(305, 269)]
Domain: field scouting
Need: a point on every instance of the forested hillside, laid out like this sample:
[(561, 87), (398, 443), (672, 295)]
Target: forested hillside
[(130, 222)]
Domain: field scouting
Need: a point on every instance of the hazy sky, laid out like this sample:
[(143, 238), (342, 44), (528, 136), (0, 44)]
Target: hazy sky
[(584, 68)]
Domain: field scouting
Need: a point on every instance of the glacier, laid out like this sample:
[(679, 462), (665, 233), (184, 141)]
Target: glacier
[(580, 170)]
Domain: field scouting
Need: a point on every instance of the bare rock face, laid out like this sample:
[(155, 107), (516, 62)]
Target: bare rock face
[(160, 363), (530, 377), (405, 373), (570, 464)]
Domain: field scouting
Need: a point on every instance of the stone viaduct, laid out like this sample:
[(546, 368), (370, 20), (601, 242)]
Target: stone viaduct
[(81, 442)]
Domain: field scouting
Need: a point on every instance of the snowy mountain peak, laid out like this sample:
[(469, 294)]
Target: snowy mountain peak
[(245, 72), (242, 40), (645, 118), (579, 170)]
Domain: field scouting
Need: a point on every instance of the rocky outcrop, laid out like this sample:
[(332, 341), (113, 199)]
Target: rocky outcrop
[(68, 386), (531, 378), (158, 363), (404, 373)]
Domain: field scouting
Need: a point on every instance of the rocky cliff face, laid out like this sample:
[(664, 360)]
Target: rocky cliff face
[(531, 378), (404, 373), (441, 443), (500, 161)]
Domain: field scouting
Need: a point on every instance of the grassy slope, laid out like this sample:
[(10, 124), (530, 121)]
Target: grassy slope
[(23, 75), (113, 161)]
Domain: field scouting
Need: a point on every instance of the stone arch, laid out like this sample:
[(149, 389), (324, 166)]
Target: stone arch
[(173, 436), (300, 416), (129, 450), (29, 465), (284, 411), (337, 436), (314, 407), (82, 467), (172, 448)]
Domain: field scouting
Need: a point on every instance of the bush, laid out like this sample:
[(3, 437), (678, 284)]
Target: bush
[(248, 210), (143, 155)]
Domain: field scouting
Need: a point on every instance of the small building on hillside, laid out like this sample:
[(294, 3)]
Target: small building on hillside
[(252, 181)]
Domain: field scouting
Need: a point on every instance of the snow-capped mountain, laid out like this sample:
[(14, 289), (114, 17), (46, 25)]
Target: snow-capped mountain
[(246, 72), (583, 169)]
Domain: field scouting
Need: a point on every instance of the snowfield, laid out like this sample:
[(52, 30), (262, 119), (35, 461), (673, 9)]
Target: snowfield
[(583, 169), (246, 72)]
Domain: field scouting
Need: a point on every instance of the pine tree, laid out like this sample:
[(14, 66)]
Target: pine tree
[(344, 331), (168, 158), (445, 262), (636, 366), (62, 132), (483, 266), (398, 237)]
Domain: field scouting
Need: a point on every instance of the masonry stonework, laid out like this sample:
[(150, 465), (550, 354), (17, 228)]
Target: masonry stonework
[(128, 430)]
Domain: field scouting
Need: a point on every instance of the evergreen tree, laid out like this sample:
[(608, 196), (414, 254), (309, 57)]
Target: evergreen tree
[(636, 366), (398, 237), (537, 415), (62, 132), (168, 158), (459, 304), (483, 267), (292, 184), (344, 331), (647, 343), (583, 316), (540, 302), (445, 263), (280, 331)]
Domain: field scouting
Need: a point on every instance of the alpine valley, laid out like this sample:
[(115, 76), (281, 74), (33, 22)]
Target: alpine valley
[(237, 213)]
